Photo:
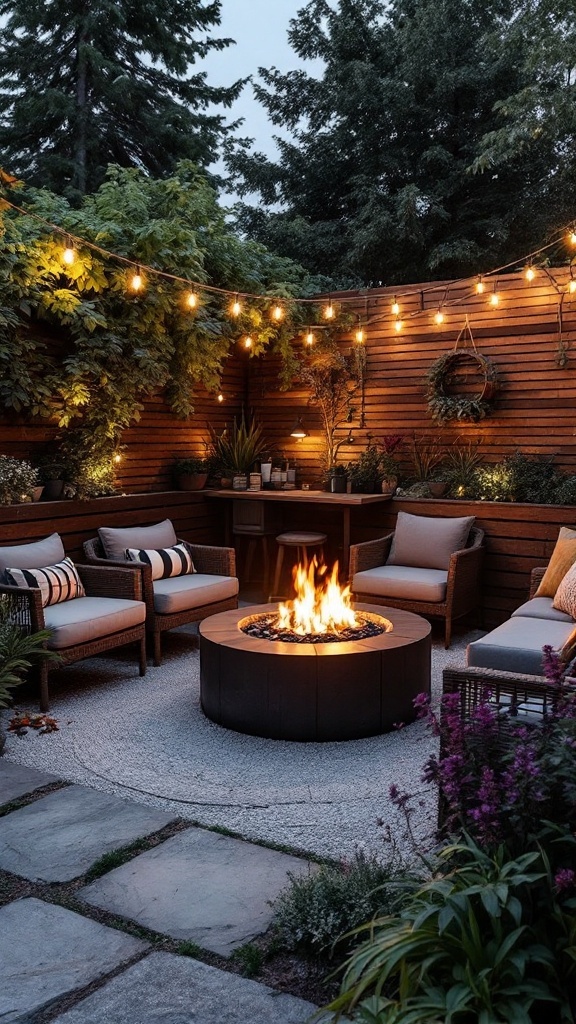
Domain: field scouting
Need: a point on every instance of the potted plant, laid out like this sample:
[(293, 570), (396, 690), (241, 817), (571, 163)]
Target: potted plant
[(52, 474), (18, 480), (337, 479), (191, 473), (365, 473), (389, 446), (237, 448), (460, 468)]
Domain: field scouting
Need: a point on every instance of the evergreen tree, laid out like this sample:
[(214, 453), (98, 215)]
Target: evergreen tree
[(84, 84), (376, 183)]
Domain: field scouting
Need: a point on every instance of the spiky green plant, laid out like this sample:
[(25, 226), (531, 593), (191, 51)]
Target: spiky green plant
[(238, 447)]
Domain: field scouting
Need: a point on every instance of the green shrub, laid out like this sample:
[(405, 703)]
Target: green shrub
[(317, 910)]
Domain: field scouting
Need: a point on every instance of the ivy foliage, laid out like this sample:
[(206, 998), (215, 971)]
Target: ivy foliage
[(77, 344)]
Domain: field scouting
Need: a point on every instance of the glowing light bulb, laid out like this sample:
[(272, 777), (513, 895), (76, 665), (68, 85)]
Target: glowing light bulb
[(248, 342), (439, 317), (494, 299), (136, 282), (572, 286), (359, 335), (191, 300), (68, 255), (309, 338), (480, 286), (395, 307), (117, 458), (572, 237), (398, 325), (329, 311), (236, 308), (277, 312), (530, 273), (220, 397)]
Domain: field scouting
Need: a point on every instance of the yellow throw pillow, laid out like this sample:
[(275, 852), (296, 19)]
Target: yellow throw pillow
[(563, 557)]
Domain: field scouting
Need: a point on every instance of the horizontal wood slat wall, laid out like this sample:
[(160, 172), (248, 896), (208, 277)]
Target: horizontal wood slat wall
[(535, 409)]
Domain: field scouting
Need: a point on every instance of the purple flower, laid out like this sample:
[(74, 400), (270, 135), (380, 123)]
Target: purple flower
[(564, 879)]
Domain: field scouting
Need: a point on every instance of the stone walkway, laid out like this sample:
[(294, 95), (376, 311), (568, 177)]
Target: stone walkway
[(192, 885)]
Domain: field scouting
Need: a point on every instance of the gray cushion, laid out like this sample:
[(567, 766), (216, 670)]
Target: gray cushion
[(541, 608), (33, 556), (181, 593), (87, 618), (426, 541), (115, 540), (516, 645), (402, 581)]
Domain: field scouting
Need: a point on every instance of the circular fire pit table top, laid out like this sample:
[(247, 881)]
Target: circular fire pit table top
[(313, 691)]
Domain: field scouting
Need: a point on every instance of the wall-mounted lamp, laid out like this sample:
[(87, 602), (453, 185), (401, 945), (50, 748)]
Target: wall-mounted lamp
[(299, 430)]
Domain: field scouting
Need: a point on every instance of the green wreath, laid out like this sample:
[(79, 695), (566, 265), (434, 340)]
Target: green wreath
[(444, 406)]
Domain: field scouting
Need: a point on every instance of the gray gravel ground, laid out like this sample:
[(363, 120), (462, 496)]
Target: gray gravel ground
[(147, 739)]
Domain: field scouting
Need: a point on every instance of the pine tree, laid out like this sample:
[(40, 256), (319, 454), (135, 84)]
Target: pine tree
[(84, 84), (376, 182)]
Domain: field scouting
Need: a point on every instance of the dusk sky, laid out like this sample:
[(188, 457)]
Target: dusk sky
[(260, 29)]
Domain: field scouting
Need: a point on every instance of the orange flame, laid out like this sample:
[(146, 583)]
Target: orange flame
[(317, 609)]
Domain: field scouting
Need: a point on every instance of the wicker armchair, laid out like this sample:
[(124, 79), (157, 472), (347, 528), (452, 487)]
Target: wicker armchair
[(117, 585), (208, 561), (462, 588)]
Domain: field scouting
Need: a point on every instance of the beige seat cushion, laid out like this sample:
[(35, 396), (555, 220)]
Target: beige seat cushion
[(183, 593), (516, 645), (88, 618), (426, 541), (402, 581), (115, 540), (32, 556), (541, 608), (301, 537)]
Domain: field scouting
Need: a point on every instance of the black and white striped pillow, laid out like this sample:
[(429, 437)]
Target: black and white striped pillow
[(56, 583), (165, 562)]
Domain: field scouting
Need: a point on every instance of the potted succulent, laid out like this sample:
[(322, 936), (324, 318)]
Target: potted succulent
[(191, 473), (52, 474), (18, 481), (389, 446)]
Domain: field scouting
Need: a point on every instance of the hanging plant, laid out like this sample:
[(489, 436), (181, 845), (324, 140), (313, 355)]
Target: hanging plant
[(444, 404)]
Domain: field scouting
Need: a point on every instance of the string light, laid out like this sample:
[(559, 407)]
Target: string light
[(494, 298), (398, 325), (530, 273), (480, 286), (572, 236), (69, 255), (136, 282), (247, 341), (277, 312), (220, 397), (359, 335), (395, 307), (236, 308), (191, 300), (572, 286), (439, 316), (329, 311), (309, 337)]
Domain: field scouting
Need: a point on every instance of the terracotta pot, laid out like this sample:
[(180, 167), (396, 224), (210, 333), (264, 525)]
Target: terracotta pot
[(389, 485), (437, 488), (37, 493), (226, 482), (192, 481)]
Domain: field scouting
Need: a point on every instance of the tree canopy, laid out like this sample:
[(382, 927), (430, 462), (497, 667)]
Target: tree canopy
[(83, 85), (424, 150)]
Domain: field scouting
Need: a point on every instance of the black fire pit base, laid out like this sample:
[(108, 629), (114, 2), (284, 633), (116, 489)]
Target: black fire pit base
[(313, 692)]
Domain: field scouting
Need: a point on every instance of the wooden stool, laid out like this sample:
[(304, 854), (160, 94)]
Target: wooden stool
[(301, 540), (251, 519)]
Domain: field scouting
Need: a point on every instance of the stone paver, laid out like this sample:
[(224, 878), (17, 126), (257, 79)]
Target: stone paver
[(59, 836), (17, 780), (199, 886), (47, 952), (168, 989)]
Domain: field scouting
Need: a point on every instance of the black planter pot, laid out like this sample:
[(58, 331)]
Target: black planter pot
[(337, 485), (53, 489)]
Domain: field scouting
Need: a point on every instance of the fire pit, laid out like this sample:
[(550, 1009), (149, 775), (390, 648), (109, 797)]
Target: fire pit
[(316, 668)]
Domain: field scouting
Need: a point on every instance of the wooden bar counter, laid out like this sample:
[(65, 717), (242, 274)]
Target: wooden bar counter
[(345, 502)]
